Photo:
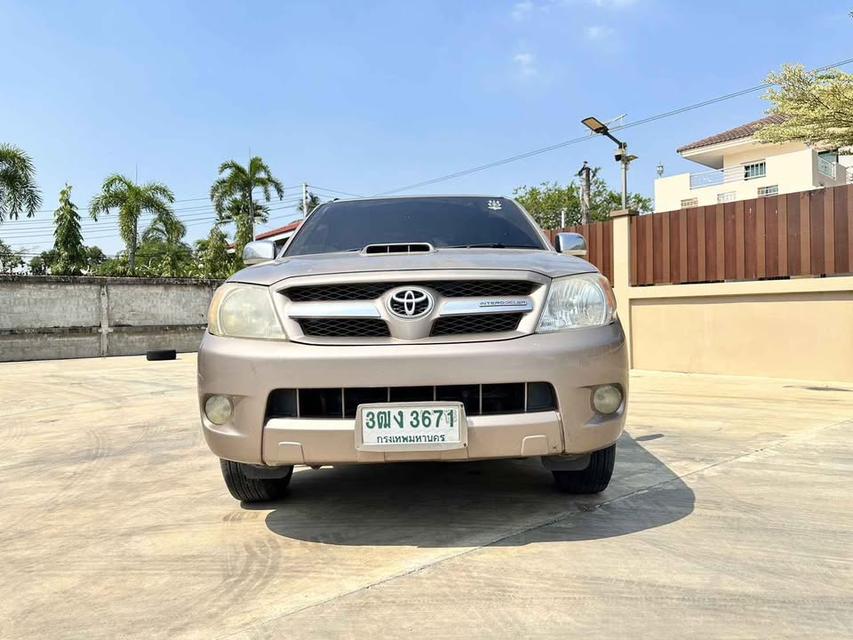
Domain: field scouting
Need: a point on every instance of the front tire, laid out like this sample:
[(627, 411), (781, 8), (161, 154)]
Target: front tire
[(593, 479), (248, 484)]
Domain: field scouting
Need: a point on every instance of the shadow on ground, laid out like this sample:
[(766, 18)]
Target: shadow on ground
[(475, 503)]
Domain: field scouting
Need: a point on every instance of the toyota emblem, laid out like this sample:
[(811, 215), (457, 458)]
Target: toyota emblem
[(410, 303)]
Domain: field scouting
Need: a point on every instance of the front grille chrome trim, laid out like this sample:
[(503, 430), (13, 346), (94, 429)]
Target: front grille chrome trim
[(347, 309), (470, 306), (304, 301)]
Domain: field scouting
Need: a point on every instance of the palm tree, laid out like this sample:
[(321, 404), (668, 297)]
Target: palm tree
[(311, 202), (232, 195), (68, 238), (164, 248), (131, 200), (165, 229), (18, 191)]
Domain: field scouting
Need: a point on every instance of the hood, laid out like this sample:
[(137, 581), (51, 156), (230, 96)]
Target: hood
[(547, 263)]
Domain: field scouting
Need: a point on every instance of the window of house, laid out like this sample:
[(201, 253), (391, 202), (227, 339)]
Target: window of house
[(829, 156), (772, 190), (689, 202), (728, 196), (752, 170)]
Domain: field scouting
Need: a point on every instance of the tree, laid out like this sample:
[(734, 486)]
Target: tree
[(113, 266), (233, 200), (163, 251), (71, 257), (41, 264), (10, 259), (214, 260), (815, 107), (94, 258), (38, 266), (18, 191), (546, 202), (45, 262), (131, 200)]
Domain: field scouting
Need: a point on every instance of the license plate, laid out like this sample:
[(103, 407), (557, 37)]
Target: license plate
[(415, 426)]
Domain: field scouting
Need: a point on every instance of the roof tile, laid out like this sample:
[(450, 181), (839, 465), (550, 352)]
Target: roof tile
[(743, 131)]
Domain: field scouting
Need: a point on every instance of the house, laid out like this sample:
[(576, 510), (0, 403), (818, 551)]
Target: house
[(737, 167), (279, 236)]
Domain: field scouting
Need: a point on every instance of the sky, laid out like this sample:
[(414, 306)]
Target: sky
[(366, 97)]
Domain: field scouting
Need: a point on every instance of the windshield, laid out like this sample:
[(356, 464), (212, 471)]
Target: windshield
[(443, 222)]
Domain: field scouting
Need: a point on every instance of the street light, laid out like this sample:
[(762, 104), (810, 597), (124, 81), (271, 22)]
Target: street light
[(597, 126)]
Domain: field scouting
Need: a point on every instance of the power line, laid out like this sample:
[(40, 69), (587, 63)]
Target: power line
[(34, 224), (207, 197), (44, 236), (338, 191), (573, 141)]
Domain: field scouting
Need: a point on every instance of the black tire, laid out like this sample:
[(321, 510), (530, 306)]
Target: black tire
[(244, 487), (593, 479), (163, 354)]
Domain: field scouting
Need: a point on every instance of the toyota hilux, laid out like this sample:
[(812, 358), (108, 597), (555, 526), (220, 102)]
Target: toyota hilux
[(435, 328)]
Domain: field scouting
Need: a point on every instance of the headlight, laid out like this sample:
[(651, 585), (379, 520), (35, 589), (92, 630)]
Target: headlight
[(584, 300), (243, 311)]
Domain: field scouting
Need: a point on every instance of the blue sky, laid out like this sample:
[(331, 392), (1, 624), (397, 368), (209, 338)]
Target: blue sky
[(366, 96)]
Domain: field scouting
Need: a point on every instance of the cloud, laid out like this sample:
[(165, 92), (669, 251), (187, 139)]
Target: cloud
[(597, 32), (525, 63), (521, 10)]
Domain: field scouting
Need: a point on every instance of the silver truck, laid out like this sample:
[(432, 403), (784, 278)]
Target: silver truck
[(440, 328)]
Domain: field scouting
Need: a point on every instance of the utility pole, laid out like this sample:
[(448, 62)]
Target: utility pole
[(563, 218), (585, 174), (304, 200)]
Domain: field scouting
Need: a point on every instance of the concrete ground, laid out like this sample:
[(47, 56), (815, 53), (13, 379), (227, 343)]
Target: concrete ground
[(730, 515)]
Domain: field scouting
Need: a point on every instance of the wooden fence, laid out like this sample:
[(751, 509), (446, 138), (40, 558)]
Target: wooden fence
[(805, 233), (599, 240)]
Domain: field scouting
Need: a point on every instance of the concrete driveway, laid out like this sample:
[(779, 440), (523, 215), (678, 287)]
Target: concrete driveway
[(730, 515)]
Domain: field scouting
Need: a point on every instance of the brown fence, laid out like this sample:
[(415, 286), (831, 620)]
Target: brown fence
[(599, 240), (805, 233)]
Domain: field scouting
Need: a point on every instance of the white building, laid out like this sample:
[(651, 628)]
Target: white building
[(737, 167)]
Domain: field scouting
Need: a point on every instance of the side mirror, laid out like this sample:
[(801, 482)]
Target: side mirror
[(573, 244), (258, 251)]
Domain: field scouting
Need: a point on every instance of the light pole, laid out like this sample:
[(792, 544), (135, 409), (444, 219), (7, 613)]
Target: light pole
[(597, 126)]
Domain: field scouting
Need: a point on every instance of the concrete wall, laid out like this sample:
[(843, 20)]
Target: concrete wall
[(776, 328), (48, 317)]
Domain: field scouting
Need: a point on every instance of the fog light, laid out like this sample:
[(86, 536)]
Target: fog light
[(217, 409), (607, 399)]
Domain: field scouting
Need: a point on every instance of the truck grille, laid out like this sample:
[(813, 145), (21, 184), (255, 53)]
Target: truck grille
[(475, 323), (478, 399), (344, 327), (446, 288)]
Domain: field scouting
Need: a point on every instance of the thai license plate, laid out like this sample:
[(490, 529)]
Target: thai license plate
[(414, 426)]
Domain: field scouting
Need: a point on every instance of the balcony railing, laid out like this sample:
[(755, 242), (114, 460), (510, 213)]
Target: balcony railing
[(827, 168), (720, 176)]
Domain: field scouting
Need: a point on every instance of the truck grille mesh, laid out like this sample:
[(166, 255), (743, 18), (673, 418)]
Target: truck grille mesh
[(447, 288), (344, 327), (475, 323)]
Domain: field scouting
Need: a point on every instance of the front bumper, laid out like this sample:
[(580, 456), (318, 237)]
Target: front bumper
[(574, 362)]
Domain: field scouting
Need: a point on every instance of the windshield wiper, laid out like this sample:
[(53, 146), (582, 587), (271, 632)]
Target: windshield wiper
[(492, 245)]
